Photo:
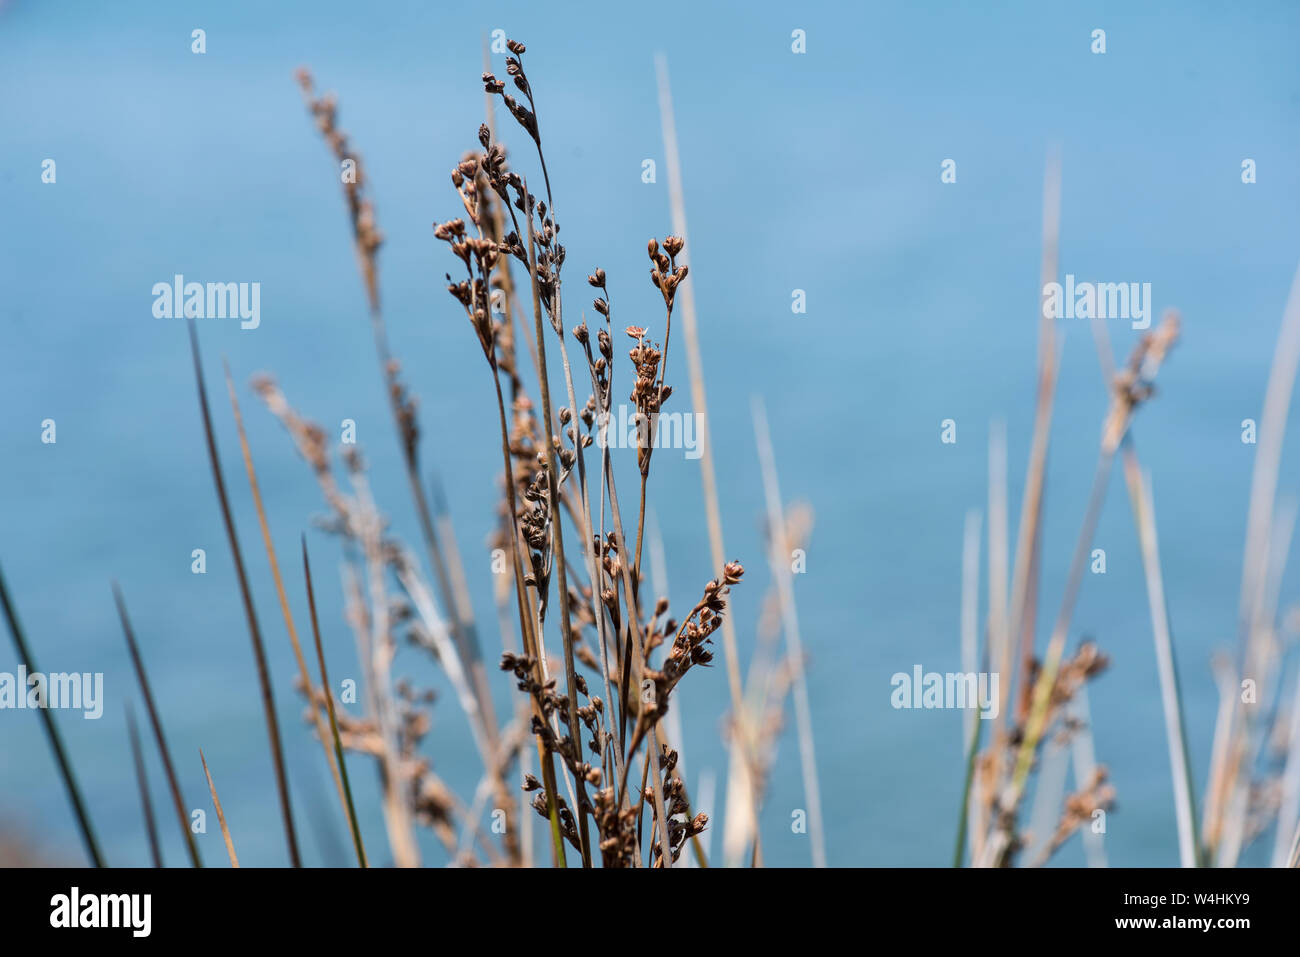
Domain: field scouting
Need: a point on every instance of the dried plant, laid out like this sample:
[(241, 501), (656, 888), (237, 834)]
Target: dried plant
[(1045, 690), (611, 635), (540, 465), (610, 786)]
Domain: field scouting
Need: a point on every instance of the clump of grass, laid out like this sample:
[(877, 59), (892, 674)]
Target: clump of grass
[(1046, 688), (1047, 694), (587, 581), (1254, 782), (612, 789), (626, 633)]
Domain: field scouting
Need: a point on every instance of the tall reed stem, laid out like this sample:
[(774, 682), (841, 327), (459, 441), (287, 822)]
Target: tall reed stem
[(52, 732), (178, 804), (254, 631)]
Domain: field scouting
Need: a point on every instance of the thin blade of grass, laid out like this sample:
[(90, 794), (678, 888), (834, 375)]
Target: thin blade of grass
[(1272, 431), (674, 732), (1146, 364), (970, 573), (1085, 766), (997, 639), (1253, 633), (563, 587), (303, 672), (972, 751), (740, 782), (350, 807), (52, 732), (1289, 809), (259, 652), (150, 823), (790, 618), (1171, 697), (970, 584), (221, 815), (182, 816), (1144, 516), (1025, 575), (1049, 796)]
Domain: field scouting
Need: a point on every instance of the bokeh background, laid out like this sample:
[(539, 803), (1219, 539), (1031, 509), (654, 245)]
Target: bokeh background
[(817, 171)]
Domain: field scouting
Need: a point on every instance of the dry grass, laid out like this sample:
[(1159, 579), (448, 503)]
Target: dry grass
[(609, 787), (1254, 782), (221, 815), (586, 582)]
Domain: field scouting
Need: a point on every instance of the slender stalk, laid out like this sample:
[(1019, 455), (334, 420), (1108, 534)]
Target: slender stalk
[(485, 713), (614, 743), (52, 732), (1263, 490), (970, 575), (632, 618), (1084, 757), (1289, 810), (368, 240), (255, 633), (659, 581), (970, 570), (632, 623), (699, 399), (557, 533), (303, 672), (1224, 733), (1263, 495), (142, 778), (582, 516), (221, 815), (527, 634), (182, 816), (790, 617), (460, 613), (328, 692), (1024, 587), (378, 656), (640, 531), (1171, 699), (529, 621), (964, 814), (985, 785), (1042, 689), (1053, 766), (1041, 693)]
